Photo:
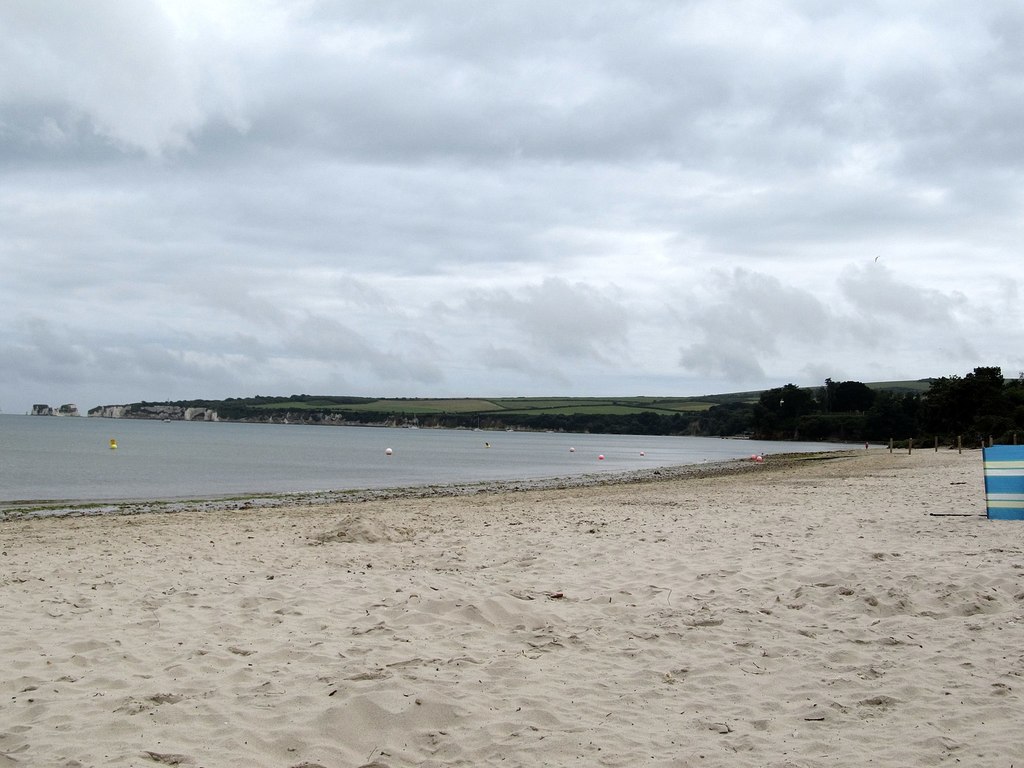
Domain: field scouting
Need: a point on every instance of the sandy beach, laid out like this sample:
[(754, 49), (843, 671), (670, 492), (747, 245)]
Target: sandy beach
[(846, 611)]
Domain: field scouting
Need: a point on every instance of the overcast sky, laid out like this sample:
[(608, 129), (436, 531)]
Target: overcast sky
[(209, 199)]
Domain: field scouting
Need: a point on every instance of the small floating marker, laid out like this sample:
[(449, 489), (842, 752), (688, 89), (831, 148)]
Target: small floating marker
[(388, 451), (572, 450), (487, 445), (113, 444), (642, 453), (600, 457)]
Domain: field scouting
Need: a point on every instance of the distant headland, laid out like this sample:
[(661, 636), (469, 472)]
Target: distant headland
[(982, 404)]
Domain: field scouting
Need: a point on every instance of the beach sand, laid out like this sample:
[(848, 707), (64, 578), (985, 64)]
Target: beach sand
[(845, 611)]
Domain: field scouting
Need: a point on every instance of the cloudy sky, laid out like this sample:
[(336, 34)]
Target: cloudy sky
[(208, 198)]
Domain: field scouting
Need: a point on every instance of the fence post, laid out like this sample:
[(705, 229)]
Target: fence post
[(960, 444), (910, 446), (890, 445), (936, 443)]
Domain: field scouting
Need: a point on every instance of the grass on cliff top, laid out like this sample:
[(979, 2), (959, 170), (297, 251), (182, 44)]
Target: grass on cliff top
[(510, 405)]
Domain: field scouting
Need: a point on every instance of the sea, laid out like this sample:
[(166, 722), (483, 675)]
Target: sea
[(70, 459)]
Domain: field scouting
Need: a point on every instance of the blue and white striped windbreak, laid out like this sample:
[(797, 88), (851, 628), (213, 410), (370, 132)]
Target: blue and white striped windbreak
[(1004, 482)]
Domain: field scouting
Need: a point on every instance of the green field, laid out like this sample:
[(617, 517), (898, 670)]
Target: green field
[(394, 405), (518, 407), (505, 405), (920, 386)]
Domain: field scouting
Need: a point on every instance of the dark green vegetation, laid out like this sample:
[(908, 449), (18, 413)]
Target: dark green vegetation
[(976, 406)]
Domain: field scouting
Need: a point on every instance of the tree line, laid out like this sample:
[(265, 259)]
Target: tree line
[(979, 406)]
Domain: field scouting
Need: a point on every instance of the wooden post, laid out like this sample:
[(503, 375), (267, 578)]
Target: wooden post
[(936, 443), (910, 446), (890, 445), (960, 444)]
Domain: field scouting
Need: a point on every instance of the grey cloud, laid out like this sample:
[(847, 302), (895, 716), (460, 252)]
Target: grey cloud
[(752, 320), (758, 308), (749, 318), (627, 80), (520, 369), (207, 196), (137, 94), (572, 321), (341, 348), (69, 364), (45, 351), (631, 80), (873, 290), (723, 358)]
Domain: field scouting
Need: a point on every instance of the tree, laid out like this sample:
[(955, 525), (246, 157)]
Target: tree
[(727, 419), (976, 405), (893, 414), (850, 396), (778, 410)]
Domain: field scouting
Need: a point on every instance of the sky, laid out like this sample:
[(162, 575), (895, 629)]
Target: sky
[(202, 199)]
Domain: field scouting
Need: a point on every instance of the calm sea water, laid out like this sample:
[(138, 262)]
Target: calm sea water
[(68, 458)]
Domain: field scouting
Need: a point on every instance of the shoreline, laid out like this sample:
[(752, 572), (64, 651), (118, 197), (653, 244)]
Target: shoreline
[(28, 509)]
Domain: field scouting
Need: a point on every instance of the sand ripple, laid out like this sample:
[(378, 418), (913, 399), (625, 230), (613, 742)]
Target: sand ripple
[(818, 615)]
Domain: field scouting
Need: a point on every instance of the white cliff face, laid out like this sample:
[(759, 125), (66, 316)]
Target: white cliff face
[(200, 414), (162, 412), (109, 411), (42, 409)]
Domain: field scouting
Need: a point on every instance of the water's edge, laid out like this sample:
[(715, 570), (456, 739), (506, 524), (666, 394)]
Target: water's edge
[(21, 510)]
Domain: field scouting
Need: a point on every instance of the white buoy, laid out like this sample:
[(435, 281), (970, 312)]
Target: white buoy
[(642, 453), (572, 450), (388, 451)]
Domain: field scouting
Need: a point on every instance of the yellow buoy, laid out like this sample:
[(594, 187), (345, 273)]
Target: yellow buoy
[(113, 444)]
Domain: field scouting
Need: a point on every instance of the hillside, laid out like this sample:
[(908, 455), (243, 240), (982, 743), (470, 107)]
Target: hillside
[(727, 414)]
